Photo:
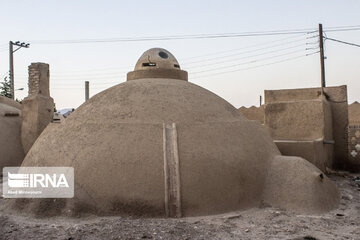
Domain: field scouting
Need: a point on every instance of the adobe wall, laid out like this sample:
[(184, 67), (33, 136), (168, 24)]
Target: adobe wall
[(253, 113), (38, 107), (285, 122), (354, 113), (316, 152), (337, 98), (11, 151), (10, 102), (296, 135)]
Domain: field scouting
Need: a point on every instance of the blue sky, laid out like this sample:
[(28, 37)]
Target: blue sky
[(105, 64)]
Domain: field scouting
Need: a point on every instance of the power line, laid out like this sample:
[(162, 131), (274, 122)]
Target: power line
[(248, 68), (246, 57), (197, 36), (247, 47), (249, 51), (249, 62), (213, 74), (123, 69), (348, 43), (220, 73), (334, 28), (166, 38), (342, 30), (256, 50), (119, 72), (118, 76)]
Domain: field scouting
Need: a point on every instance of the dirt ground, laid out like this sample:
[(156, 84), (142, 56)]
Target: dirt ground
[(264, 223)]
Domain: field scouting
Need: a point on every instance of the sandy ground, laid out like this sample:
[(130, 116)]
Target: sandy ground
[(264, 223)]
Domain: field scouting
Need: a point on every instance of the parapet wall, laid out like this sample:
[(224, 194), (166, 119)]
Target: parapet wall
[(39, 76), (354, 113), (299, 120), (253, 113), (300, 128), (337, 99)]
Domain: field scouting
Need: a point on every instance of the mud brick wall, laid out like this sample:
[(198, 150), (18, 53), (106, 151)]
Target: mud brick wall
[(39, 79)]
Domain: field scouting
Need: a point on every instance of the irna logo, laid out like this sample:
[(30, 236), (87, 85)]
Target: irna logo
[(37, 180)]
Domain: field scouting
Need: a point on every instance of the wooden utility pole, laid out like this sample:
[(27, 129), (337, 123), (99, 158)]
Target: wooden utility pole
[(11, 69), (86, 90), (322, 58), (11, 62)]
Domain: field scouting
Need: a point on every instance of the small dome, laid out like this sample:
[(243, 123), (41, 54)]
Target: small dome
[(157, 58), (157, 63)]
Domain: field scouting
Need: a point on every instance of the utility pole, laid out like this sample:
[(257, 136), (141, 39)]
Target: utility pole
[(322, 58), (11, 62), (11, 69), (86, 90)]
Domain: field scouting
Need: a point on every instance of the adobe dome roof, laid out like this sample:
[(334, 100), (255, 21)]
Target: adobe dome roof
[(156, 101), (133, 144)]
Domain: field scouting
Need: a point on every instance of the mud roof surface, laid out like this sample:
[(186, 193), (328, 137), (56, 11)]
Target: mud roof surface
[(117, 143)]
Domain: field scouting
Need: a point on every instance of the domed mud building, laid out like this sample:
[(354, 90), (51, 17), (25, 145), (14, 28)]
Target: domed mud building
[(11, 150), (158, 145)]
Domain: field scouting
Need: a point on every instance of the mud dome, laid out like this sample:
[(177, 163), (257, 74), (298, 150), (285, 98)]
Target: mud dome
[(160, 146), (11, 149)]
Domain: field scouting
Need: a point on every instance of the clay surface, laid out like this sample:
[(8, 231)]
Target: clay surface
[(354, 113), (254, 113), (218, 160), (11, 149)]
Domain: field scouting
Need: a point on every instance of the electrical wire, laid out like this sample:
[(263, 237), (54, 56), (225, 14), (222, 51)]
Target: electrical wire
[(246, 47), (121, 76), (348, 43), (248, 68), (245, 57), (197, 36), (249, 62), (244, 52), (176, 37), (220, 73), (208, 75), (343, 30), (214, 74), (334, 28), (112, 76), (68, 75)]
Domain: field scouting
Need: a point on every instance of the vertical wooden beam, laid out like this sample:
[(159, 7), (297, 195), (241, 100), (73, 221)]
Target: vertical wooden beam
[(171, 171)]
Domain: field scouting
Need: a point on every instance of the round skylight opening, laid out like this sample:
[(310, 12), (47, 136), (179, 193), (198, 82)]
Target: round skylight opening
[(163, 55)]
